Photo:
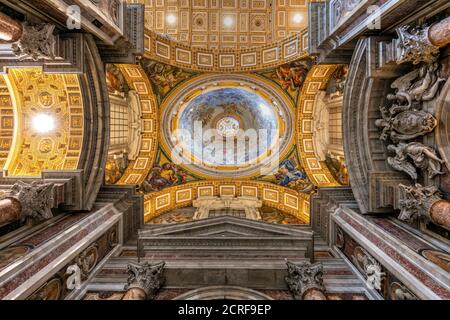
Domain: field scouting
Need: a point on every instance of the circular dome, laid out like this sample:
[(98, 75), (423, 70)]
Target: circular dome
[(221, 128)]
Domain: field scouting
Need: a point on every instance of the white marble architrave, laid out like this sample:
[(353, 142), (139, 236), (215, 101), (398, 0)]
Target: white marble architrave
[(205, 204)]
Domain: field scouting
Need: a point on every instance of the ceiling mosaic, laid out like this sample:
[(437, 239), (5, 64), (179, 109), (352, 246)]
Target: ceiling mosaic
[(225, 24)]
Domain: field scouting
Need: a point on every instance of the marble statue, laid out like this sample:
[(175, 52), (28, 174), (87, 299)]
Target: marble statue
[(423, 157)]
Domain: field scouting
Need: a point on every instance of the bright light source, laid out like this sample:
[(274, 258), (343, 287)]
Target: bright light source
[(228, 21), (43, 123), (297, 18), (171, 19)]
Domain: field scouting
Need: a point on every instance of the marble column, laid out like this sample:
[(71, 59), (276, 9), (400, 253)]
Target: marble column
[(10, 29), (305, 281), (439, 33), (440, 213), (10, 210), (144, 281)]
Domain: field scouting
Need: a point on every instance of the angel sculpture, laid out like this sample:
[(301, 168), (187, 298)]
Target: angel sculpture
[(424, 158), (417, 86)]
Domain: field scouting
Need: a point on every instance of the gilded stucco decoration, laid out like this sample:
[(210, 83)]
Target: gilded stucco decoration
[(139, 168), (6, 121), (56, 95), (229, 24), (284, 199), (317, 170)]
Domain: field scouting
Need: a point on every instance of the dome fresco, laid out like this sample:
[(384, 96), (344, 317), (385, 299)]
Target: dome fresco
[(228, 127), (232, 112)]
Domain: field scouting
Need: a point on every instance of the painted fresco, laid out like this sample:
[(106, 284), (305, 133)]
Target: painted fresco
[(115, 168), (164, 77), (290, 77), (175, 216), (290, 174), (230, 111), (272, 215), (269, 215), (115, 81), (164, 174)]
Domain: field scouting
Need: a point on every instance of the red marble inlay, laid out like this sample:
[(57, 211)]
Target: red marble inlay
[(437, 288), (23, 276)]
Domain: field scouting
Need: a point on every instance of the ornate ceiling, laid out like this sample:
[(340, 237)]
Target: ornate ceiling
[(32, 103), (259, 117), (222, 24)]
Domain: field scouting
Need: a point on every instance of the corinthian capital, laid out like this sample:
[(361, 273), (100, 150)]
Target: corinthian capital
[(417, 200), (415, 45), (36, 199), (304, 277), (146, 277), (37, 42)]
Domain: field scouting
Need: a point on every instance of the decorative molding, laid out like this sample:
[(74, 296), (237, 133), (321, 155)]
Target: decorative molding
[(415, 45), (417, 200)]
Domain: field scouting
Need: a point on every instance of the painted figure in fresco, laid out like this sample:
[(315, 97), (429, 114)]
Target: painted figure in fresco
[(115, 80), (338, 169), (287, 173), (289, 176), (164, 176), (115, 168), (163, 77), (292, 75)]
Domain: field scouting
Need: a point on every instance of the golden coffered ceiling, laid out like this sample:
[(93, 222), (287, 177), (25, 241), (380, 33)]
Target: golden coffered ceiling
[(29, 96), (222, 24)]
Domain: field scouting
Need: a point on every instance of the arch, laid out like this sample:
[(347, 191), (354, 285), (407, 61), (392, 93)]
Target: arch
[(223, 293), (139, 168), (317, 170), (284, 199)]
